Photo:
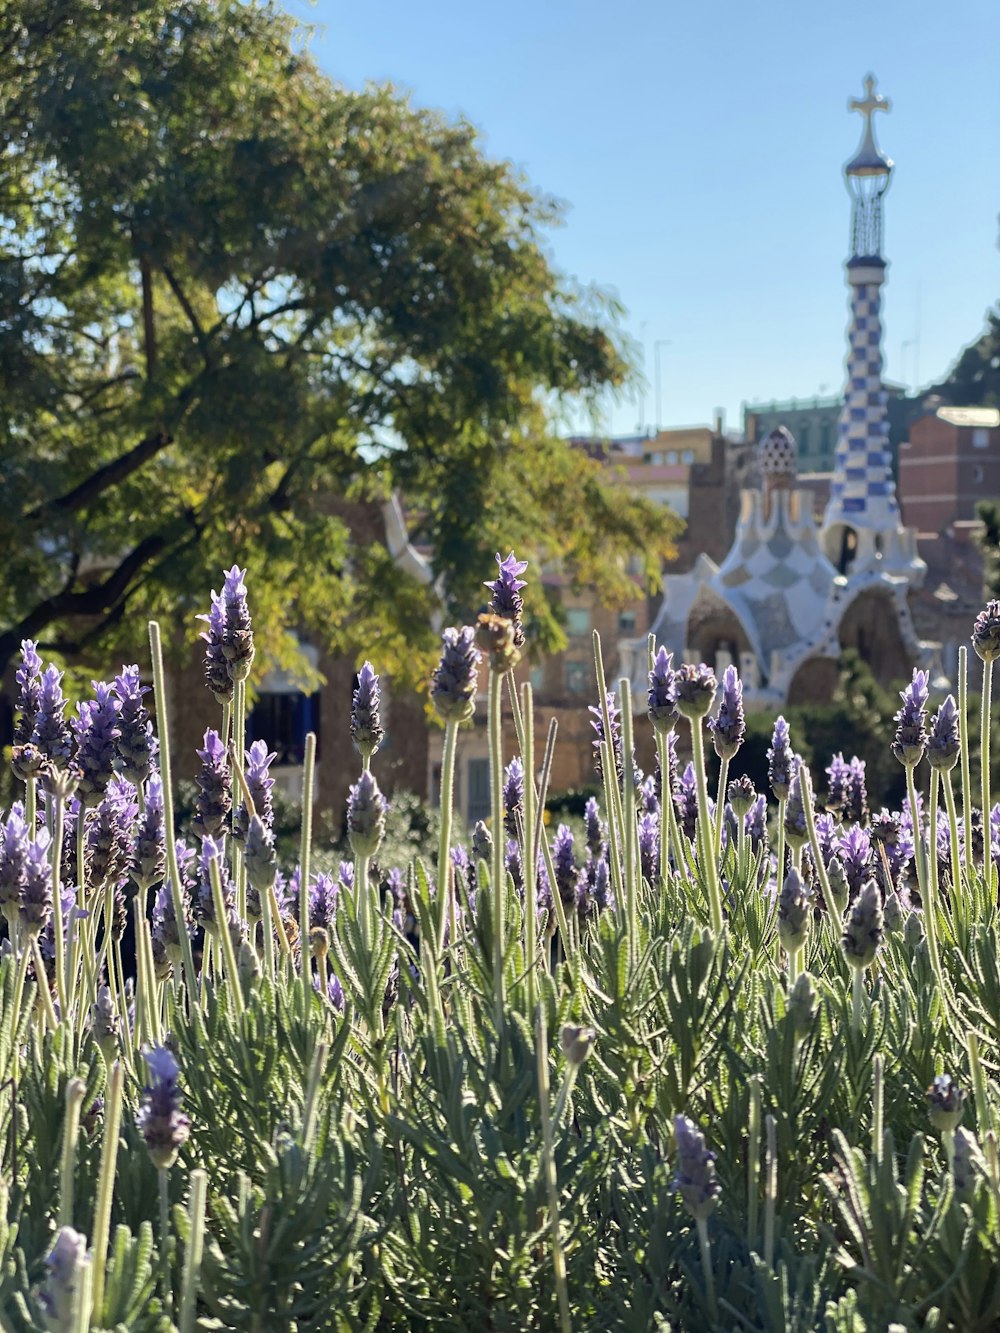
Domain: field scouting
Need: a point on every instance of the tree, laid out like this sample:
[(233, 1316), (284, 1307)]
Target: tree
[(232, 293), (974, 380)]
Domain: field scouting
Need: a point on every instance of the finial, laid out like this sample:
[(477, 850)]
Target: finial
[(869, 160)]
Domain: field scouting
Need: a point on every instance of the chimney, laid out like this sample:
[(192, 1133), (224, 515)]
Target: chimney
[(720, 420)]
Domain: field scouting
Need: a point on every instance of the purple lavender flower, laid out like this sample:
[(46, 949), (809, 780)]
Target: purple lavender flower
[(594, 827), (13, 859), (649, 849), (149, 852), (345, 876), (482, 843), (205, 904), (237, 633), (214, 801), (506, 594), (456, 677), (366, 728), (661, 701), (217, 676), (863, 928), (334, 991), (695, 1179), (826, 834), (616, 736), (601, 890), (564, 864), (261, 862), (29, 693), (160, 1120), (794, 911), (256, 769), (51, 734), (855, 853), (59, 1295), (35, 906), (513, 865), (648, 796), (324, 892), (686, 800), (780, 760), (366, 809), (166, 935), (756, 821), (911, 734), (694, 689), (742, 794), (109, 836), (96, 730), (986, 632), (728, 727), (513, 796), (944, 744), (856, 808), (136, 743)]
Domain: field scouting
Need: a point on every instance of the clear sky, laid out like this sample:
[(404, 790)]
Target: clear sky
[(698, 148)]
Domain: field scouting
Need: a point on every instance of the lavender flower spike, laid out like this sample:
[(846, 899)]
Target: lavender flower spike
[(160, 1120), (986, 632), (28, 691), (59, 1295), (35, 906), (456, 677), (366, 809), (694, 689), (13, 860), (513, 796), (214, 801), (136, 742), (506, 589), (96, 730), (944, 744), (217, 676), (237, 634), (863, 931), (695, 1179), (257, 764), (366, 727), (728, 727), (911, 736), (780, 759), (945, 1101), (794, 911), (51, 734), (661, 700)]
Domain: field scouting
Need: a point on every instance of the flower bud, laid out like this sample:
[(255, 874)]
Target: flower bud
[(577, 1043), (839, 886), (863, 929), (794, 911), (986, 632), (495, 638), (455, 679), (695, 1178), (661, 699), (694, 689), (742, 794), (802, 999), (319, 941), (366, 807), (945, 1102)]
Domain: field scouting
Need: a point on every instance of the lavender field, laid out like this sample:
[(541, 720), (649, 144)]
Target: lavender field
[(721, 1060)]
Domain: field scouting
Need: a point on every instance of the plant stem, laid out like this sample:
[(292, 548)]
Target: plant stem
[(106, 1186), (497, 873), (878, 1099), (857, 994), (305, 851), (956, 861), (59, 926), (42, 985), (173, 869), (446, 905), (805, 789), (558, 1256), (167, 1293), (753, 1161), (76, 1090), (926, 889), (190, 1278), (770, 1188), (705, 1246), (528, 851), (706, 841), (238, 749), (720, 805), (632, 878), (963, 726), (224, 939), (985, 753), (983, 1117)]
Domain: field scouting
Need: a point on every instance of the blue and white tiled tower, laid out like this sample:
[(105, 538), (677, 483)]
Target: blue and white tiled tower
[(862, 530)]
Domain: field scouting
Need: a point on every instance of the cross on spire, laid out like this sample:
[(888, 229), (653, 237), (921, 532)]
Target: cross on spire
[(870, 103)]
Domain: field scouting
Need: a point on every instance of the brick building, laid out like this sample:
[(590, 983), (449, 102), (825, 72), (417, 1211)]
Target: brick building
[(950, 462)]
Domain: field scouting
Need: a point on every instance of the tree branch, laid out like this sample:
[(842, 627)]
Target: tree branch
[(111, 474), (188, 309)]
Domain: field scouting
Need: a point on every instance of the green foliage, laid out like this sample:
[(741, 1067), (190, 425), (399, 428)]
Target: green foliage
[(238, 305), (974, 379)]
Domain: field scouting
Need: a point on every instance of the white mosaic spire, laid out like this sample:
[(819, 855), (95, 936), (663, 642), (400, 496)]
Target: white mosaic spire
[(861, 527)]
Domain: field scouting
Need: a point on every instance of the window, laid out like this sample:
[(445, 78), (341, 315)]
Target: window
[(537, 677), (626, 622), (977, 473), (980, 438), (577, 677), (478, 804), (672, 457), (656, 459), (687, 456), (804, 438), (578, 620), (283, 719)]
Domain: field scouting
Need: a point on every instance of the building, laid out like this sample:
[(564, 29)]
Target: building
[(950, 461), (793, 590)]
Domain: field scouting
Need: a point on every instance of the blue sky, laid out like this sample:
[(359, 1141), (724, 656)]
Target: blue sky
[(698, 148)]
